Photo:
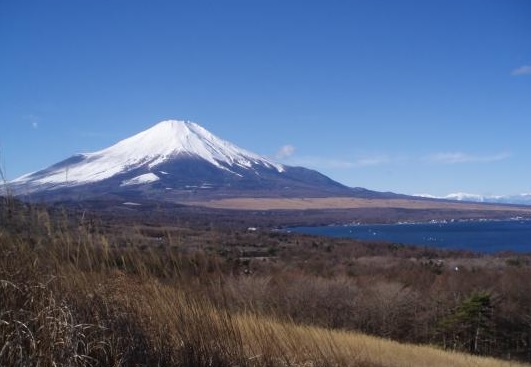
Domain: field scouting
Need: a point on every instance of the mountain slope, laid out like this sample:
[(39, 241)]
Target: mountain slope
[(176, 161)]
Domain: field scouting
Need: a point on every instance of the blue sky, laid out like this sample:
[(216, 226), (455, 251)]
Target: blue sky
[(405, 96)]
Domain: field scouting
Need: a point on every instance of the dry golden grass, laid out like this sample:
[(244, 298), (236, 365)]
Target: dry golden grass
[(198, 333), (347, 203), (69, 299), (305, 345)]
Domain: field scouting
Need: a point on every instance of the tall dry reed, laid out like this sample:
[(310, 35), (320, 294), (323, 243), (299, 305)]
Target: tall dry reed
[(71, 297)]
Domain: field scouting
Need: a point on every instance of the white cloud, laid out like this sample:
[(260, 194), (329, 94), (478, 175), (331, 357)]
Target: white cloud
[(447, 158), (285, 151), (333, 163), (460, 157), (33, 120), (320, 163), (372, 161), (522, 70)]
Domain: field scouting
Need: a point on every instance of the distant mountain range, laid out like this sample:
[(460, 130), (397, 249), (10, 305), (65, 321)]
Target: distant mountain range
[(177, 161), (521, 199)]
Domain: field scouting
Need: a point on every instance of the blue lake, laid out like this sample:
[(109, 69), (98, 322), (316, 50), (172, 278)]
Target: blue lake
[(477, 236)]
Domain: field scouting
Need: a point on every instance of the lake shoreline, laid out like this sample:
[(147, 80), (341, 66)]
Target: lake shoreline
[(477, 235)]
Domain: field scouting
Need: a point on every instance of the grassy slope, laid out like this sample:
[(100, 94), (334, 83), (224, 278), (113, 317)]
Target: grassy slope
[(68, 297), (133, 320)]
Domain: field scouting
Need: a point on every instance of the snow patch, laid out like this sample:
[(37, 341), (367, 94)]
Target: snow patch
[(142, 179)]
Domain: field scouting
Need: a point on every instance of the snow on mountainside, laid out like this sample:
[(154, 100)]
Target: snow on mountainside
[(524, 199), (176, 161), (149, 148), (145, 178)]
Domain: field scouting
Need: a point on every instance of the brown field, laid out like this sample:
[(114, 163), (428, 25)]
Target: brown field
[(349, 203), (76, 291)]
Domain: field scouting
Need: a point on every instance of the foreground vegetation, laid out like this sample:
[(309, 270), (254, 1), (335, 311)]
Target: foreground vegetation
[(73, 293)]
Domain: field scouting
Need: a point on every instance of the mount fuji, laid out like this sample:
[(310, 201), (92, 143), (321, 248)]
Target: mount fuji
[(176, 161)]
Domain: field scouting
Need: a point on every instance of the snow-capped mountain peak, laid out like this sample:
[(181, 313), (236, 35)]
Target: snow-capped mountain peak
[(150, 148), (176, 161), (172, 137), (524, 199)]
